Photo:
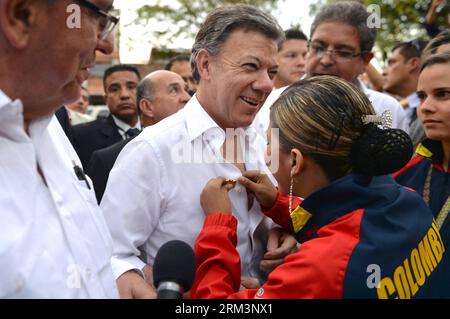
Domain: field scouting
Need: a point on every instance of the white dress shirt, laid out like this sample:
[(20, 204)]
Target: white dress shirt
[(124, 127), (413, 104), (381, 102), (262, 119), (79, 118), (153, 191), (54, 242)]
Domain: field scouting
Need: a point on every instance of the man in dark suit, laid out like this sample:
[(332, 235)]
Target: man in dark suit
[(120, 83), (64, 120), (159, 95)]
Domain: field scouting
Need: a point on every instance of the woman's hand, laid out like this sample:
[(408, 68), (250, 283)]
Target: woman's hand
[(214, 197), (258, 183)]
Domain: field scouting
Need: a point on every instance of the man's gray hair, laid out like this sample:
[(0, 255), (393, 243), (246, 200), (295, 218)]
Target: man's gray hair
[(144, 90), (221, 22), (351, 13)]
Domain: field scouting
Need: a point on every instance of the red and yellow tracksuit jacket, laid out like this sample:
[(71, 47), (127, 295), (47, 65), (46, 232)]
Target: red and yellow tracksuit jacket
[(361, 238)]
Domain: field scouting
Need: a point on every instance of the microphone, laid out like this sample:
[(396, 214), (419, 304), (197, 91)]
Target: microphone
[(174, 269)]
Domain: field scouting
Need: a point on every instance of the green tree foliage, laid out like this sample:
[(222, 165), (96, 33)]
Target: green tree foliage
[(401, 20), (185, 16)]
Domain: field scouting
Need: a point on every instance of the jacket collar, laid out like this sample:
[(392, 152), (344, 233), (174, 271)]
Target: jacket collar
[(432, 150), (344, 196)]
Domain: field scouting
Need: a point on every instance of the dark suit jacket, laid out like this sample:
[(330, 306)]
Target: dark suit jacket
[(92, 136), (101, 163), (63, 117)]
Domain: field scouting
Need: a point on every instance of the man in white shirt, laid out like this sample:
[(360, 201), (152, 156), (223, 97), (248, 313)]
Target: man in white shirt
[(340, 44), (153, 191), (400, 78), (54, 242)]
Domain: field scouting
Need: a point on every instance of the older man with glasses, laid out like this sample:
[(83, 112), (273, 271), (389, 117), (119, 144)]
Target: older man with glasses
[(54, 242), (340, 44)]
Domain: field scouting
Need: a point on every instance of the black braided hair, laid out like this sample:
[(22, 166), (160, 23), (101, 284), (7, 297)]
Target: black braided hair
[(380, 151)]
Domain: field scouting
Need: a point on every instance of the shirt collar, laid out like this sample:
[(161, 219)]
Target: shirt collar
[(199, 122), (10, 112), (11, 120), (413, 100), (4, 99), (363, 88), (124, 126)]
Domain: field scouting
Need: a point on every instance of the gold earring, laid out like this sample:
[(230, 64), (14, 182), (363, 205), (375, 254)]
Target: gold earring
[(290, 195)]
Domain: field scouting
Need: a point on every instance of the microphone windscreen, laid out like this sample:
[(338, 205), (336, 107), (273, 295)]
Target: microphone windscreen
[(175, 261)]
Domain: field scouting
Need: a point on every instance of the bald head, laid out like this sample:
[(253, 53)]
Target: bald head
[(159, 95)]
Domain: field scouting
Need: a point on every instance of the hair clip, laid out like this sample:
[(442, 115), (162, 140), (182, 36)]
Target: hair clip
[(384, 120)]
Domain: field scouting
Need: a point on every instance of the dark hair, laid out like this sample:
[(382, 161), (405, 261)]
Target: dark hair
[(410, 49), (119, 68), (177, 58), (223, 21), (351, 13), (292, 34), (441, 58), (441, 39), (324, 117)]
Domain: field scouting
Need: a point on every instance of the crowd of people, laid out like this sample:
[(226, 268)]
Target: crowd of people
[(267, 151)]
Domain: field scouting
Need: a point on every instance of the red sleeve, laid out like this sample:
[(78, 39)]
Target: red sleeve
[(218, 264), (279, 213), (317, 270)]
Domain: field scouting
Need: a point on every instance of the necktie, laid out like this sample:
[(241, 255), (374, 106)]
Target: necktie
[(132, 132)]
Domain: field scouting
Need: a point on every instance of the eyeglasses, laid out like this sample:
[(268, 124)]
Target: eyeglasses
[(107, 20), (319, 51)]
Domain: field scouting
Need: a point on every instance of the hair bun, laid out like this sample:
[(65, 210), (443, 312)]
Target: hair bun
[(380, 151)]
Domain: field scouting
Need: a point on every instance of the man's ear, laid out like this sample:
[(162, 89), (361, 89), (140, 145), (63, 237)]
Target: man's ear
[(413, 65), (147, 108), (367, 58), (17, 19), (203, 60), (297, 162)]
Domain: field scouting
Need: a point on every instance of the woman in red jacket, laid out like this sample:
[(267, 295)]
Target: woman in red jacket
[(362, 235)]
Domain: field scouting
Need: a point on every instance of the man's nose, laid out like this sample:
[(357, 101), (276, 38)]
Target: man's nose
[(327, 58), (185, 97), (125, 93), (263, 83), (106, 46)]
